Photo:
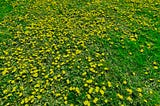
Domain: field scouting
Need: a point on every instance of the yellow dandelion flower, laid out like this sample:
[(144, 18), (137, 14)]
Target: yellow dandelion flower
[(22, 101), (85, 85), (91, 90), (101, 91), (65, 102), (146, 73), (106, 100), (65, 97), (14, 89), (145, 100), (89, 59), (77, 90), (5, 91), (33, 92), (141, 50), (139, 89), (37, 85), (106, 68), (155, 67), (55, 77), (86, 103), (155, 63), (120, 96), (95, 100), (35, 75), (134, 73), (71, 104), (26, 100), (63, 72), (46, 76), (20, 94), (58, 94), (39, 96), (70, 88), (140, 94), (97, 89), (78, 51), (109, 84), (88, 96), (151, 92), (67, 81), (89, 81), (125, 82), (26, 104), (130, 53), (53, 91), (84, 74), (129, 90), (92, 70), (129, 98)]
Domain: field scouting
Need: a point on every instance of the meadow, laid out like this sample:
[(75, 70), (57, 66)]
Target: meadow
[(79, 53)]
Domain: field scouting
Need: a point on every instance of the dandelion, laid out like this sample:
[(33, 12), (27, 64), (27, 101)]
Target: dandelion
[(86, 103), (139, 89), (35, 75), (88, 96), (71, 104), (22, 101), (63, 72), (109, 84), (142, 50), (78, 51), (65, 102), (120, 96), (106, 100), (154, 63), (91, 90), (97, 89), (39, 96), (84, 74), (92, 70), (151, 92), (77, 90), (68, 82), (58, 94), (129, 90), (106, 68), (129, 98), (155, 67), (5, 91), (85, 85), (95, 100), (101, 91), (26, 100), (89, 81), (37, 85), (145, 100), (140, 94), (125, 82), (5, 72)]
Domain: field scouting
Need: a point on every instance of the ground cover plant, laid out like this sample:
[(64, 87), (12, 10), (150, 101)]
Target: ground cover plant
[(80, 53)]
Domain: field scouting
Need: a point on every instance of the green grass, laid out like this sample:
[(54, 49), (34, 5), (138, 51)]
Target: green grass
[(56, 52), (5, 8)]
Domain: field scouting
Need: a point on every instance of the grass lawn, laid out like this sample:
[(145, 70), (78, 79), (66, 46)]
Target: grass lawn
[(79, 53)]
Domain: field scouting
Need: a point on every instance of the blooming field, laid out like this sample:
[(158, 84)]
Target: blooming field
[(80, 52)]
